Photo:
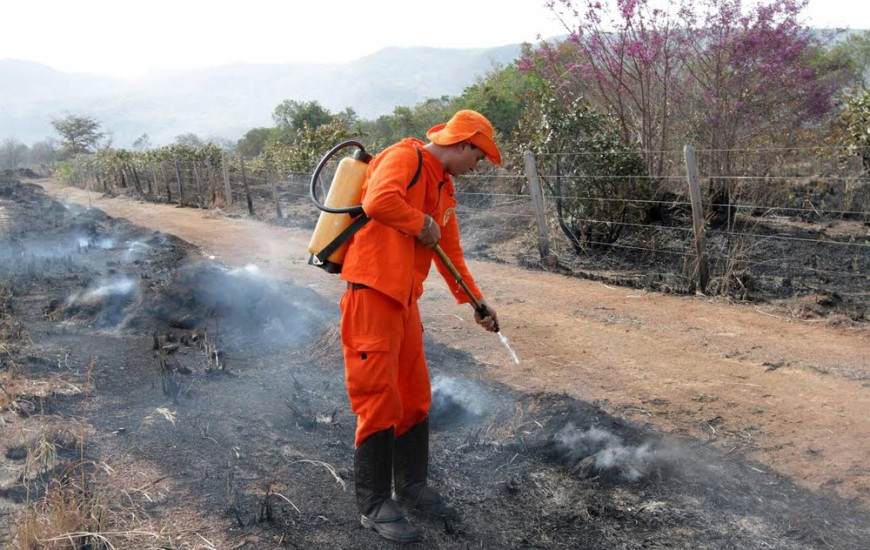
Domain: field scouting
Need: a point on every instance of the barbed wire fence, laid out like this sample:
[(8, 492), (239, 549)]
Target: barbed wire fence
[(797, 225), (796, 222)]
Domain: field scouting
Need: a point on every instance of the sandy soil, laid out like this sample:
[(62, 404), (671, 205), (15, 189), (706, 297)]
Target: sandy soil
[(792, 395)]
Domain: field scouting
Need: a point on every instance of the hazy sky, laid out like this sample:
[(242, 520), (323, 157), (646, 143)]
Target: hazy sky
[(124, 38)]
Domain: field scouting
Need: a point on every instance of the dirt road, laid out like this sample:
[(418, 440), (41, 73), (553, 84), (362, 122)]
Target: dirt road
[(791, 395)]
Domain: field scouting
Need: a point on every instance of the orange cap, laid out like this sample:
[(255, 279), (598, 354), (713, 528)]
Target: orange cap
[(468, 126)]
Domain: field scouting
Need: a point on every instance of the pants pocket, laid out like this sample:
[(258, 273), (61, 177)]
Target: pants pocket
[(369, 365)]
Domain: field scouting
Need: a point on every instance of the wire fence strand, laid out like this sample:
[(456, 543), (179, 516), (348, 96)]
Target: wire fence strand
[(795, 219)]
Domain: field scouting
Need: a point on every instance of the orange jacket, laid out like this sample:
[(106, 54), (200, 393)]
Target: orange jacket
[(384, 254)]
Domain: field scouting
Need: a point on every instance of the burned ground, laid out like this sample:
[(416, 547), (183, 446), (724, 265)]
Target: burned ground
[(216, 396)]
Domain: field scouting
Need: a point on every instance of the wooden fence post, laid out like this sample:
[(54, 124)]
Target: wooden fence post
[(178, 178), (538, 198), (105, 180), (89, 175), (247, 188), (198, 184), (144, 177), (701, 268), (227, 190), (154, 177), (212, 186), (166, 181), (134, 175), (271, 179)]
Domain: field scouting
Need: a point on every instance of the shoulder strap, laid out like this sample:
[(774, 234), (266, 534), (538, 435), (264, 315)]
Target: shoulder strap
[(419, 168), (360, 221)]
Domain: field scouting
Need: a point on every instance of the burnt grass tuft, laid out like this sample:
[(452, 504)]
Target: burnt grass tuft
[(261, 445)]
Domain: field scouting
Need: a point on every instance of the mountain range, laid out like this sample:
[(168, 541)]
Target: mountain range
[(227, 101)]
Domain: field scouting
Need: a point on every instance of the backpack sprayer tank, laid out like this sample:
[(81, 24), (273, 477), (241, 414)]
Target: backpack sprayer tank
[(342, 213)]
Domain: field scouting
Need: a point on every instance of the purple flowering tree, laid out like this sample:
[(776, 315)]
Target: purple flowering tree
[(714, 73)]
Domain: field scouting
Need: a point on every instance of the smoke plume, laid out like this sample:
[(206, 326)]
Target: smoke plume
[(598, 451)]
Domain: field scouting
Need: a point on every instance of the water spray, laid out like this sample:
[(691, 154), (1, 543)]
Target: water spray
[(479, 307)]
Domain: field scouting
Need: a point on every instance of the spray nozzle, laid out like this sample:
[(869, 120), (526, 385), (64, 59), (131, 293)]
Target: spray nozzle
[(483, 311), (479, 307)]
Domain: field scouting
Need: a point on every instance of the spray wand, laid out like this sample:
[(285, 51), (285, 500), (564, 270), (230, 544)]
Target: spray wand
[(479, 307)]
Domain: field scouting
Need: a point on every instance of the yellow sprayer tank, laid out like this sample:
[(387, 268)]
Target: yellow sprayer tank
[(345, 191)]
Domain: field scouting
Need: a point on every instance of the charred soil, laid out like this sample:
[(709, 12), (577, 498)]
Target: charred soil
[(210, 393)]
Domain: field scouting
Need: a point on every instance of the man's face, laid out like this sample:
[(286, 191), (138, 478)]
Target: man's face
[(465, 160)]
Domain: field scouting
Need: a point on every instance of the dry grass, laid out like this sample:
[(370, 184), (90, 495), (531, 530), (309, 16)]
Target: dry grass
[(81, 510), (327, 346), (9, 390), (12, 333), (72, 513), (70, 504), (81, 504), (27, 397), (73, 504)]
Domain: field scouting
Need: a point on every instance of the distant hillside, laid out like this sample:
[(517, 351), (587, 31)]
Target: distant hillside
[(230, 100)]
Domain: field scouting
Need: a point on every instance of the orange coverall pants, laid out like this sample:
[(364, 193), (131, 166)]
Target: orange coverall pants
[(385, 364)]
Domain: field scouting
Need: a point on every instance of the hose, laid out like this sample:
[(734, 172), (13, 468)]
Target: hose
[(359, 155), (479, 307)]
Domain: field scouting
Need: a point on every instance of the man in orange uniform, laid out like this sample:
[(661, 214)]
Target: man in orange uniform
[(381, 332)]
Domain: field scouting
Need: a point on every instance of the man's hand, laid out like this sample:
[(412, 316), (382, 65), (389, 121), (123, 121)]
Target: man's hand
[(430, 234), (490, 321)]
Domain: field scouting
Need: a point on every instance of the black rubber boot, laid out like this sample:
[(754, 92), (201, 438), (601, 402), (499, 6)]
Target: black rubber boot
[(411, 472), (372, 464)]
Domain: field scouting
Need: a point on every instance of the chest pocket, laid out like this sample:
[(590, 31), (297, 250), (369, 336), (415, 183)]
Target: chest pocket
[(439, 201)]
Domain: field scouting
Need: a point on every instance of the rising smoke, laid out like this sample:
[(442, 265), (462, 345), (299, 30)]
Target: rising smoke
[(457, 401), (600, 451), (107, 301), (244, 302)]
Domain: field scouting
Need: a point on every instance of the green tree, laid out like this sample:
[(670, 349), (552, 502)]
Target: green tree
[(407, 122), (309, 147), (255, 141), (599, 184), (502, 95), (855, 53), (43, 153), (291, 115), (190, 140), (349, 117), (13, 154), (855, 121), (142, 143), (79, 134)]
